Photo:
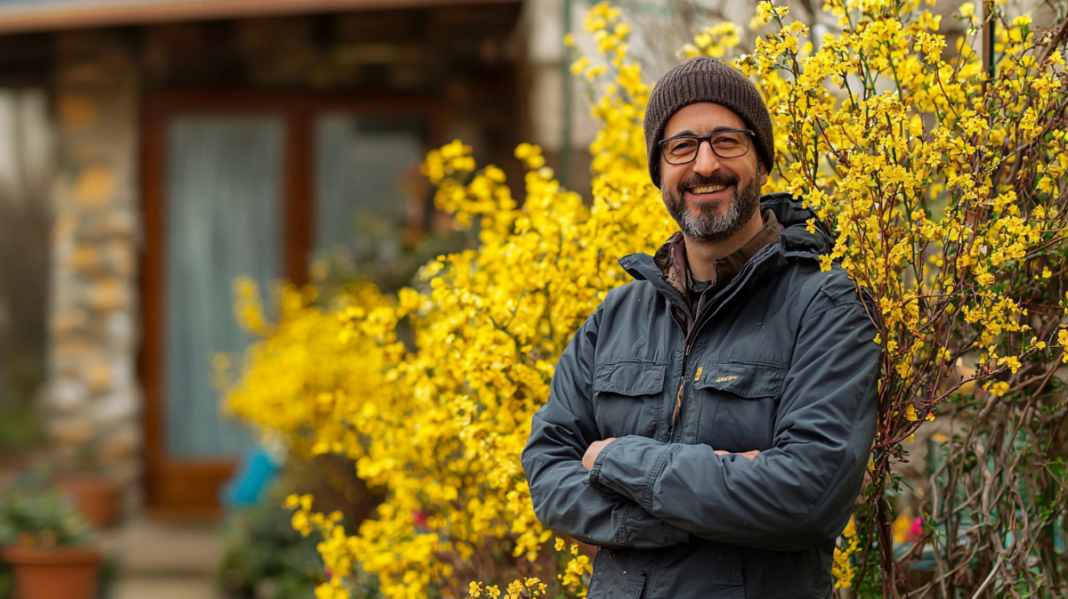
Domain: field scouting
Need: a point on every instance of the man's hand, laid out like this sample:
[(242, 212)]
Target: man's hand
[(593, 450), (749, 454)]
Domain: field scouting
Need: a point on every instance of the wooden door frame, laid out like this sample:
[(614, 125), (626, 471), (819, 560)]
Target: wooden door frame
[(200, 479)]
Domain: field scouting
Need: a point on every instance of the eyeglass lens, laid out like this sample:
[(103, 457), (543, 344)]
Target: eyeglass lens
[(729, 144)]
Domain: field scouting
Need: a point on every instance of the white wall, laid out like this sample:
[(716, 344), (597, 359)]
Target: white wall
[(26, 167), (26, 144)]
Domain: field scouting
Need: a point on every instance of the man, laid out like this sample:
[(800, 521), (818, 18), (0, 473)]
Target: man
[(709, 425)]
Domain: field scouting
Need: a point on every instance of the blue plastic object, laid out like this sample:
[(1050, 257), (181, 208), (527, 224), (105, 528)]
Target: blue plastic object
[(255, 473)]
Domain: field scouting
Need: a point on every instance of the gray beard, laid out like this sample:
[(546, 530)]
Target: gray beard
[(706, 225)]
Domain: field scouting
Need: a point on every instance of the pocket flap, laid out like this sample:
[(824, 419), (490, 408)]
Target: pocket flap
[(745, 380), (629, 378)]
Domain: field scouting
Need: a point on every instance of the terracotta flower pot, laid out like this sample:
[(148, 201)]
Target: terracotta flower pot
[(97, 499), (54, 573)]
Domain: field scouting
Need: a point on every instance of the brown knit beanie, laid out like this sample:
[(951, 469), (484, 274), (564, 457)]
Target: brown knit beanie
[(705, 79)]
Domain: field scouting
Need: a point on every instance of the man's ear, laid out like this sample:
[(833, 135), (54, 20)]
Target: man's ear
[(763, 173)]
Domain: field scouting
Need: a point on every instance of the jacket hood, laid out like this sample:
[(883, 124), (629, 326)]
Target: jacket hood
[(793, 218)]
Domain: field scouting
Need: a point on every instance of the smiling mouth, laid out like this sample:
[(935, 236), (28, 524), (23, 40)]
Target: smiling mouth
[(707, 189)]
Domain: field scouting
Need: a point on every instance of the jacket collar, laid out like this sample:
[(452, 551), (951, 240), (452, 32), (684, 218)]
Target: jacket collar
[(666, 269), (672, 262)]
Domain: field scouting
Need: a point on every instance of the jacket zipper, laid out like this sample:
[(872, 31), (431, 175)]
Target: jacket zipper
[(678, 396), (692, 334)]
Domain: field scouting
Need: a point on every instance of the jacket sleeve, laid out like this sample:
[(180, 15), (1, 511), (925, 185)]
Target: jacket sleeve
[(800, 492), (552, 460)]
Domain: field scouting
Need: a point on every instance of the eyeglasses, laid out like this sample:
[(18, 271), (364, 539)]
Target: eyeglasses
[(728, 143)]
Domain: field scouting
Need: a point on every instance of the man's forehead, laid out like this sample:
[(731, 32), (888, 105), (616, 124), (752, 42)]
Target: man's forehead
[(702, 118)]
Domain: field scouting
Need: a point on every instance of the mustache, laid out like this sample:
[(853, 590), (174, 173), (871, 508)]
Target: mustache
[(725, 179)]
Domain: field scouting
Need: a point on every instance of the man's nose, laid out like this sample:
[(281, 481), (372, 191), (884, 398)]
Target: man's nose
[(706, 162)]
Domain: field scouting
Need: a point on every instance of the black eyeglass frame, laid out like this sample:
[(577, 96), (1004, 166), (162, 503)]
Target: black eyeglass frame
[(703, 138)]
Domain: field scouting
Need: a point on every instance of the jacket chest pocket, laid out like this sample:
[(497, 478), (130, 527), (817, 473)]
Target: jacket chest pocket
[(627, 398), (739, 403)]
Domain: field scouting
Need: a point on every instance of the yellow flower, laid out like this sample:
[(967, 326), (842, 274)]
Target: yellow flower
[(902, 526), (766, 11), (996, 389), (842, 569)]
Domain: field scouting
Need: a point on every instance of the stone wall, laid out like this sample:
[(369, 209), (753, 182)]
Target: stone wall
[(92, 400)]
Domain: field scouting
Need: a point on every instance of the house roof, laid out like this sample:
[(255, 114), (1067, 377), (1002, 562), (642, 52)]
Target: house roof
[(46, 15)]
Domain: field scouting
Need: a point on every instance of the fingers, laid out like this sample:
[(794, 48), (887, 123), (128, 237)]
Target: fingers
[(749, 454), (592, 451)]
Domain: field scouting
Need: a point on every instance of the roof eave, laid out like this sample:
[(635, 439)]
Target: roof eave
[(80, 15)]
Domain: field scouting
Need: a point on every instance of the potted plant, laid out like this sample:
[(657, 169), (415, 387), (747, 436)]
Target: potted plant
[(96, 496), (47, 544)]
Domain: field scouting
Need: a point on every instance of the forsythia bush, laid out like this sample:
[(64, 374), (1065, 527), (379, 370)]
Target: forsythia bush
[(943, 183)]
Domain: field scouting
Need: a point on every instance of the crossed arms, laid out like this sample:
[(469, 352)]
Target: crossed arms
[(644, 493)]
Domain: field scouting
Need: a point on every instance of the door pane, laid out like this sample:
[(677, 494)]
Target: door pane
[(223, 192), (365, 167)]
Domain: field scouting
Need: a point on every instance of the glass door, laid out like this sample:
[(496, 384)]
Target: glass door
[(364, 166), (224, 182), (250, 184)]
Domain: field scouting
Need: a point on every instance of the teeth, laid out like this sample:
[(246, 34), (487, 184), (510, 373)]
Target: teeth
[(709, 189)]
